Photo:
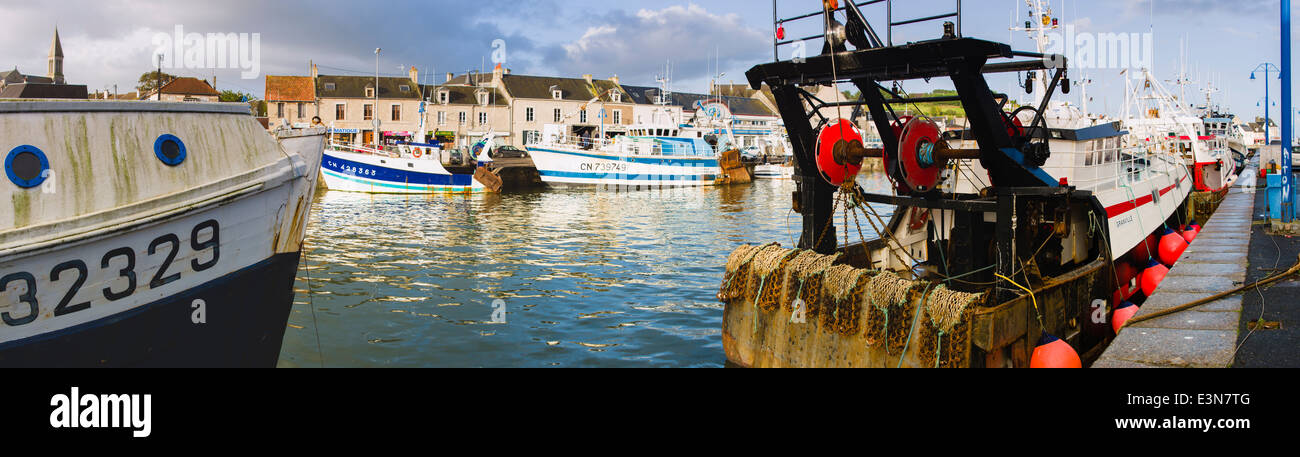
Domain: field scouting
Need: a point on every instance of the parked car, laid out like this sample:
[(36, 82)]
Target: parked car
[(507, 152), (455, 157)]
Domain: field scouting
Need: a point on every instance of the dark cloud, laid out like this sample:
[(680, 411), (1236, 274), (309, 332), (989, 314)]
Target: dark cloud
[(636, 45)]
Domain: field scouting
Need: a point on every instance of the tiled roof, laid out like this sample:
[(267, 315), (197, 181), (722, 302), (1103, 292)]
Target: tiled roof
[(572, 89), (337, 86), (290, 88), (458, 94), (189, 86), (37, 90)]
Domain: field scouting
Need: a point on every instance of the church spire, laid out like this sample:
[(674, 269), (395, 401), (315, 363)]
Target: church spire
[(55, 70)]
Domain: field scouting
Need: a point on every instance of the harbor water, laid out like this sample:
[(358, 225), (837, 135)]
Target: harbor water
[(570, 277)]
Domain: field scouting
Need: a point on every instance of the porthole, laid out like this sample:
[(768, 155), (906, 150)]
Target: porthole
[(27, 166), (169, 149)]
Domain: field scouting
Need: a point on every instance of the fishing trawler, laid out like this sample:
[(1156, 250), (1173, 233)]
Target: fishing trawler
[(640, 158), (1154, 116), (149, 233), (1009, 241), (408, 168)]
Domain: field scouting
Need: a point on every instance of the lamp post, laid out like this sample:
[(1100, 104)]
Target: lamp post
[(1288, 191), (374, 110), (1266, 68)]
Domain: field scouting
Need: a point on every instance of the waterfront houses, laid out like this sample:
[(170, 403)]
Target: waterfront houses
[(517, 109)]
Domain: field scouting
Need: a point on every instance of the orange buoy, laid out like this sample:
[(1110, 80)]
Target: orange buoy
[(1122, 314), (1053, 352), (1152, 276), (1171, 247)]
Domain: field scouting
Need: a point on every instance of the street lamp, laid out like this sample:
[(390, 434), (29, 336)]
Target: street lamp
[(1266, 68), (374, 110)]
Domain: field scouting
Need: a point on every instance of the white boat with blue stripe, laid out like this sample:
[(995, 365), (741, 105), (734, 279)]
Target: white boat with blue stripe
[(643, 158), (414, 168)]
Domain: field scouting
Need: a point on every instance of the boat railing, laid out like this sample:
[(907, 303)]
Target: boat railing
[(403, 151), (853, 7), (1118, 167)]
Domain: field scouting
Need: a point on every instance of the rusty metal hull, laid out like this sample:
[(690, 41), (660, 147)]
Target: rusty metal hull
[(1000, 335)]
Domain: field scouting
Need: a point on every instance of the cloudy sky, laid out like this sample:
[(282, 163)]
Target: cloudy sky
[(111, 42)]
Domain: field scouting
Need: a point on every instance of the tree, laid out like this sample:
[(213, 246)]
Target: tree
[(149, 81), (233, 96)]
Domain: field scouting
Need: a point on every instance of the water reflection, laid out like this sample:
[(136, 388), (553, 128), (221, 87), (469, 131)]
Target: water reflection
[(584, 277)]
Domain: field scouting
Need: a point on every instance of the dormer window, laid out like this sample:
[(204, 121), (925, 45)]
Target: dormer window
[(483, 98), (404, 88), (370, 92), (557, 94), (615, 97), (443, 97), (329, 86)]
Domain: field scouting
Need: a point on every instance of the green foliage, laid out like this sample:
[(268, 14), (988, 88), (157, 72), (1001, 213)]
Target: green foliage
[(233, 96), (150, 80)]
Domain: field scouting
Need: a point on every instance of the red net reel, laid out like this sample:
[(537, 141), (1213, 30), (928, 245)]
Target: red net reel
[(917, 155), (832, 171)]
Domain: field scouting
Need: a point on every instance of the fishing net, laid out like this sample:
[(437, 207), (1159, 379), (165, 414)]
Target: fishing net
[(885, 292), (842, 284), (945, 327)]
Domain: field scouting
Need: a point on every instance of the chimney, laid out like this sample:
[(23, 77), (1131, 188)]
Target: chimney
[(496, 75), (614, 79), (587, 77), (415, 75), (449, 76), (314, 72)]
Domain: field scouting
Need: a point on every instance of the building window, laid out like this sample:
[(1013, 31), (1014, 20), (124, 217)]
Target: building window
[(482, 118), (618, 117), (397, 112), (442, 118), (443, 97), (302, 112), (528, 114), (557, 94), (615, 97), (338, 112), (582, 117), (329, 86), (368, 112), (483, 98), (404, 88), (370, 92), (462, 117), (557, 115), (532, 137), (279, 110)]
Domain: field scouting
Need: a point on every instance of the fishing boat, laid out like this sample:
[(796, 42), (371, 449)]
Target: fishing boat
[(636, 159), (1155, 116), (1008, 242), (149, 233), (407, 168)]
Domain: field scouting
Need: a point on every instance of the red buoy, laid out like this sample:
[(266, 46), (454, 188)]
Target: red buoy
[(1152, 276), (1053, 352), (1191, 231), (1125, 273), (839, 130), (1144, 250), (1171, 247), (1122, 314)]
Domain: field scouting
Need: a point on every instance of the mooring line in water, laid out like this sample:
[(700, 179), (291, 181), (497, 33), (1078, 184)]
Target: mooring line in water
[(312, 304)]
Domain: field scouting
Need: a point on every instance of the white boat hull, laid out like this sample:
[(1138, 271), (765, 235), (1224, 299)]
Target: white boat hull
[(558, 165)]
